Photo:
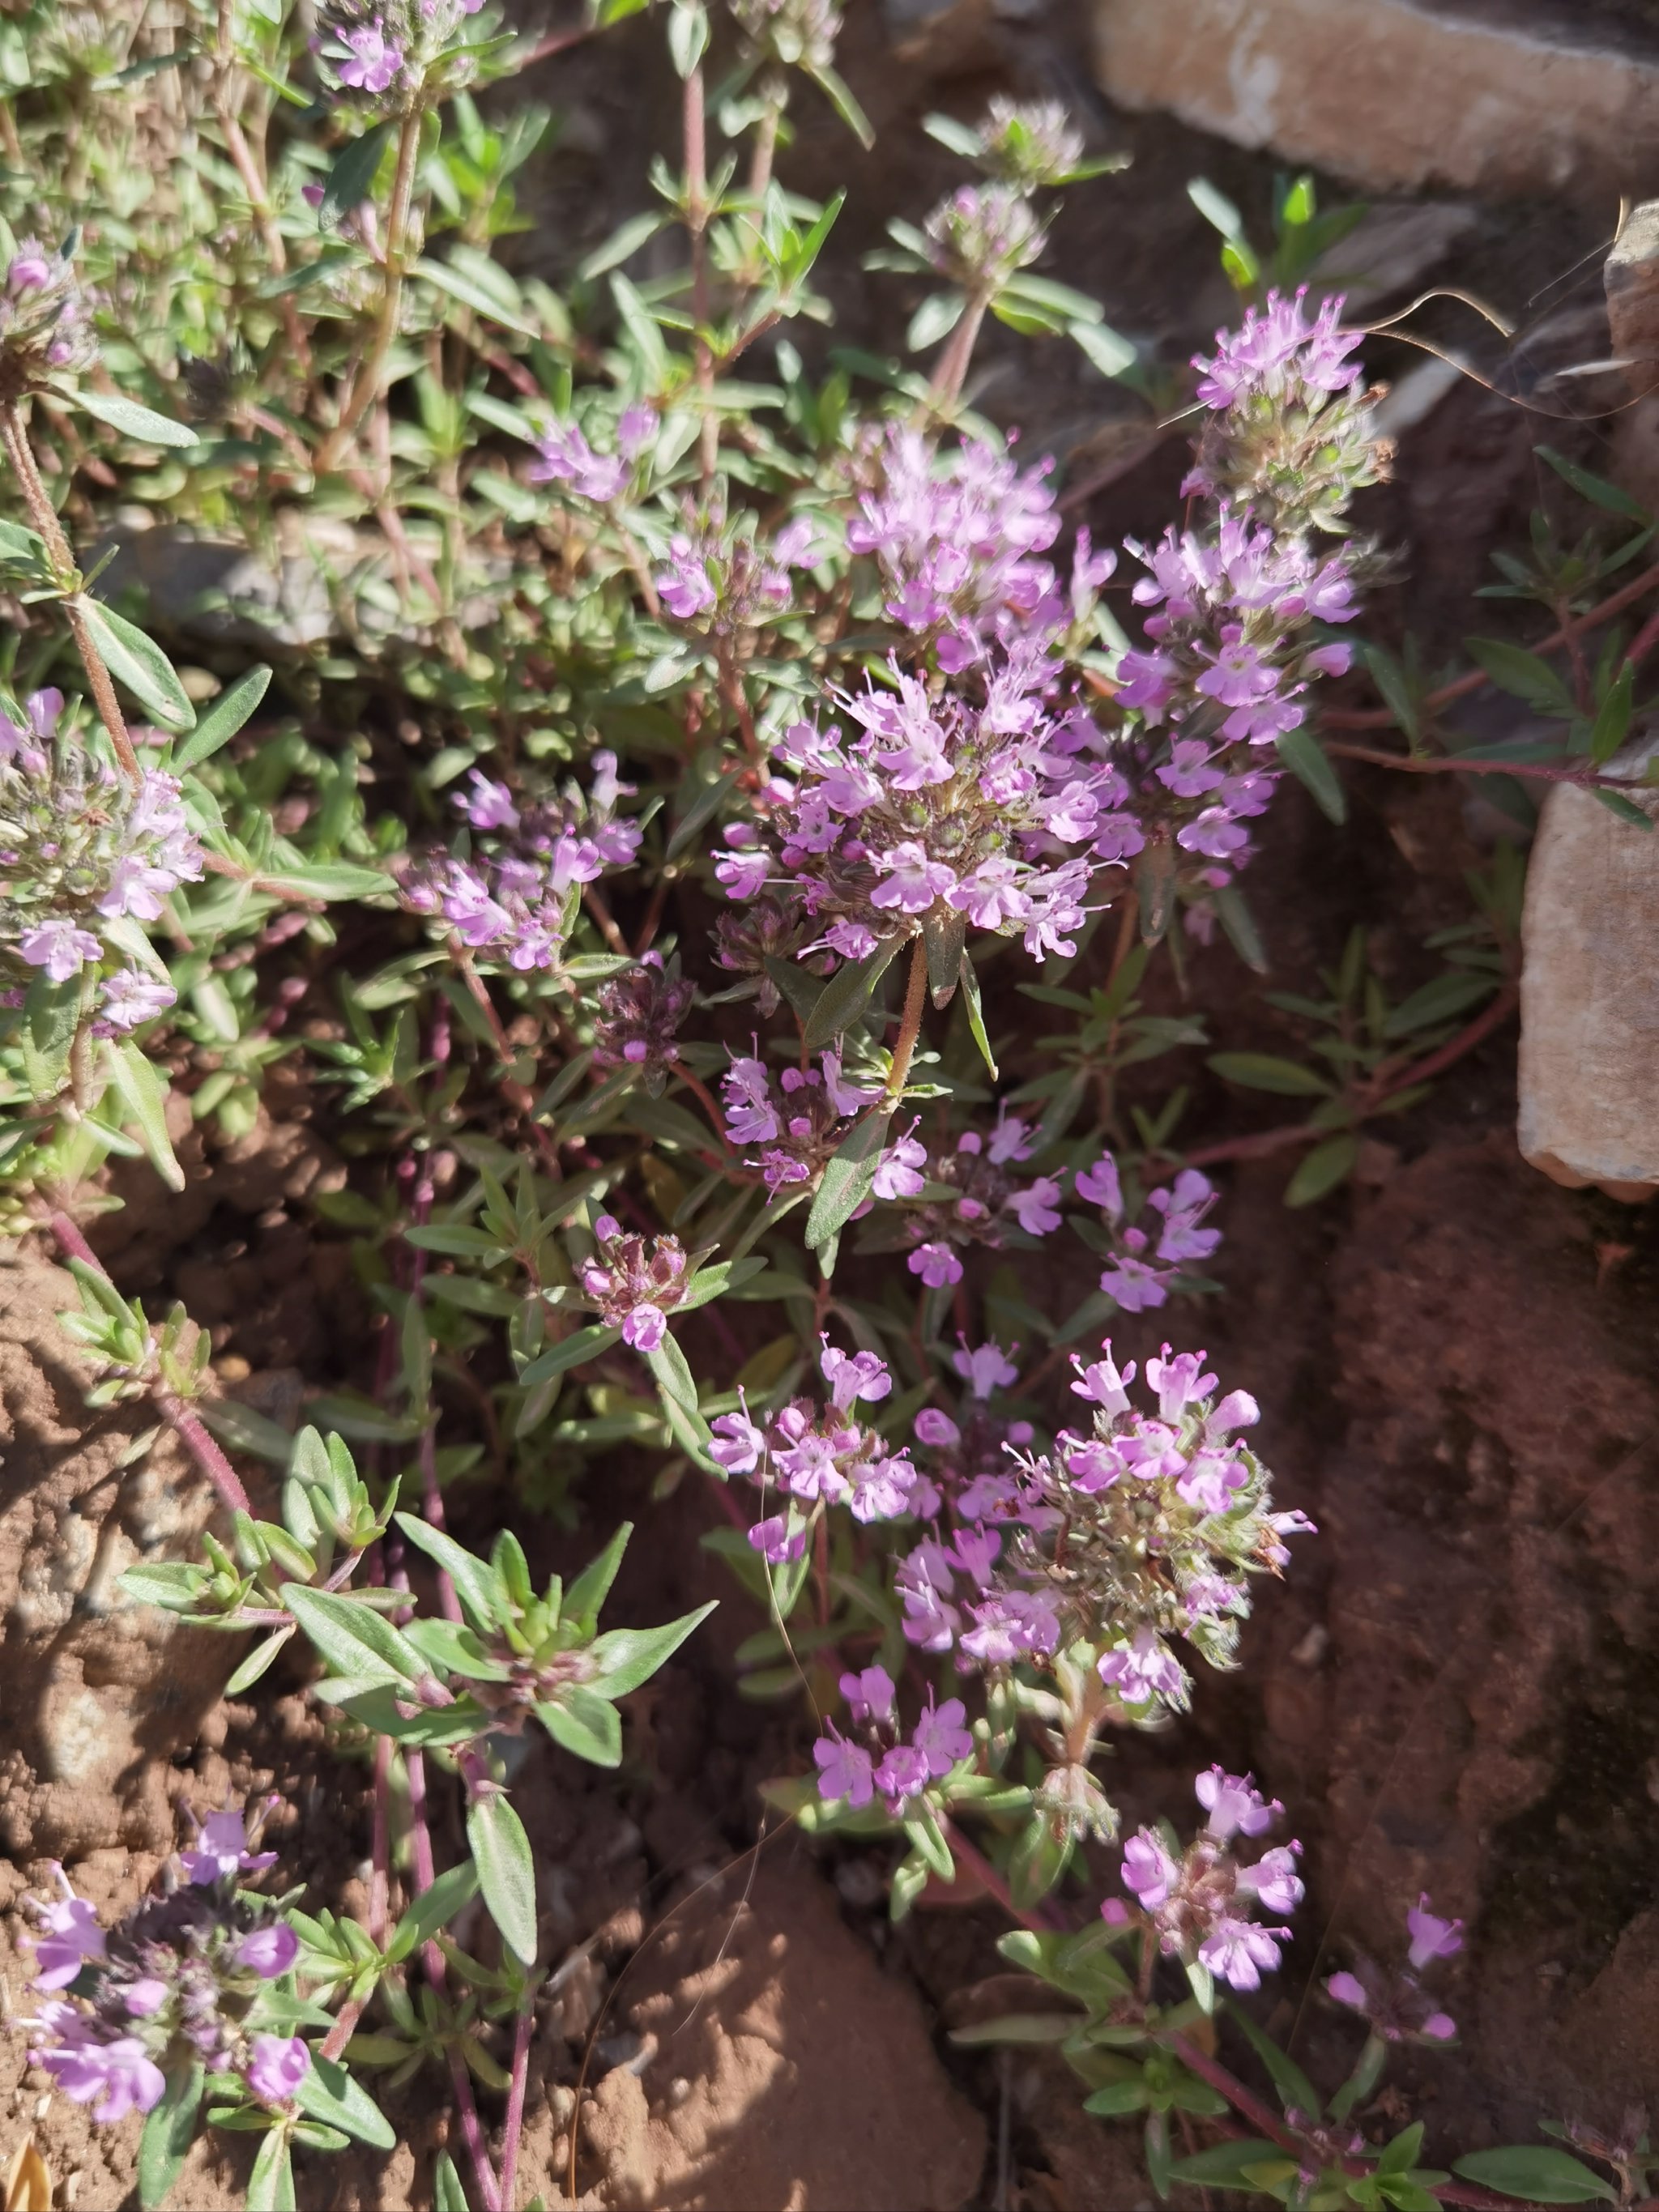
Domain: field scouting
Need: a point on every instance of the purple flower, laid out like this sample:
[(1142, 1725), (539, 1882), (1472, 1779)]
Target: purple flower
[(224, 1847), (1101, 1381), (1431, 1938), (853, 1375), (1141, 1669), (644, 1329), (777, 1541), (1348, 1990), (1148, 1868), (870, 1696), (899, 1173), (60, 947), (936, 1265), (1100, 1186), (270, 1951), (984, 1369), (1036, 1207), (279, 2065), (844, 1770), (72, 1936), (131, 998), (375, 60), (902, 1773), (1241, 1951), (122, 2076), (1234, 1804), (1273, 1880), (737, 1444), (940, 1737), (913, 881)]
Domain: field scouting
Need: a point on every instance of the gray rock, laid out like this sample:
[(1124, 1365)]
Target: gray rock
[(1589, 993)]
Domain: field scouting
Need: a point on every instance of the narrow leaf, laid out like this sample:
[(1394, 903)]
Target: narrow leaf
[(134, 420), (848, 1177), (144, 1095), (351, 179), (845, 996), (628, 1656), (507, 1871), (1305, 757), (139, 663), (222, 719)]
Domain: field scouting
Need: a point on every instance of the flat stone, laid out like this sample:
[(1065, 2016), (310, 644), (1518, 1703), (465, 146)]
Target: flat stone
[(1590, 994), (1392, 95)]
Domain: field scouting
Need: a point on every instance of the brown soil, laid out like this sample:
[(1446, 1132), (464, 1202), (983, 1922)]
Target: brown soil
[(1454, 1689)]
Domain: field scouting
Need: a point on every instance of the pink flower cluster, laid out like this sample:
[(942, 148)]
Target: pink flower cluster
[(723, 576), (797, 1118), (966, 1193), (566, 458), (956, 537), (1277, 356), (878, 1760), (942, 812), (634, 1285), (1145, 1262), (1200, 1903), (1395, 2006), (637, 1015), (508, 896), (822, 1455), (183, 1971), (79, 848), (43, 320)]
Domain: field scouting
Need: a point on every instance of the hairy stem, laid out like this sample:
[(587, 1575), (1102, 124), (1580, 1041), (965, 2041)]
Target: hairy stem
[(696, 223), (43, 518), (952, 371), (366, 385), (915, 997), (173, 1411), (515, 2096)]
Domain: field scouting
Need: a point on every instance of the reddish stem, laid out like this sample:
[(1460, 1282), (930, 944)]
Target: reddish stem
[(515, 2097), (173, 1411)]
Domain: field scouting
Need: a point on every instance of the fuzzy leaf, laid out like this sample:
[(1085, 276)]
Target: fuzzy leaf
[(351, 178), (848, 1177), (474, 1584), (586, 1724), (507, 1871), (169, 2131), (144, 1095), (271, 2185), (357, 1643), (133, 420), (1537, 2174), (222, 719), (845, 996), (435, 1908), (139, 663), (1305, 757), (328, 2094)]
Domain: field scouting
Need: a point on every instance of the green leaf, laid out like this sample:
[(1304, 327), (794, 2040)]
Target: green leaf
[(1399, 2156), (447, 2194), (622, 245), (1106, 349), (587, 1725), (1295, 2090), (134, 422), (1626, 809), (1261, 1070), (975, 1012), (271, 2185), (1536, 2173), (676, 1388), (324, 880), (585, 1596), (351, 178), (1596, 489), (435, 1908), (1304, 757), (142, 1091), (222, 719), (570, 1352), (169, 2131), (840, 97), (139, 664), (845, 996), (463, 284), (1440, 1001), (847, 1176), (328, 2094), (1612, 722), (936, 317), (1521, 673), (51, 1014), (1324, 1169), (1225, 2165), (1116, 2098), (256, 1664), (475, 1585), (358, 1642), (507, 1871), (628, 1656)]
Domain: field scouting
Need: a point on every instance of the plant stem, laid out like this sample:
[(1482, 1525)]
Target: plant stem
[(1036, 1922), (696, 222), (776, 94), (366, 385), (951, 372), (1585, 779), (43, 518), (515, 2096), (173, 1411), (1380, 718), (915, 997), (258, 198)]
